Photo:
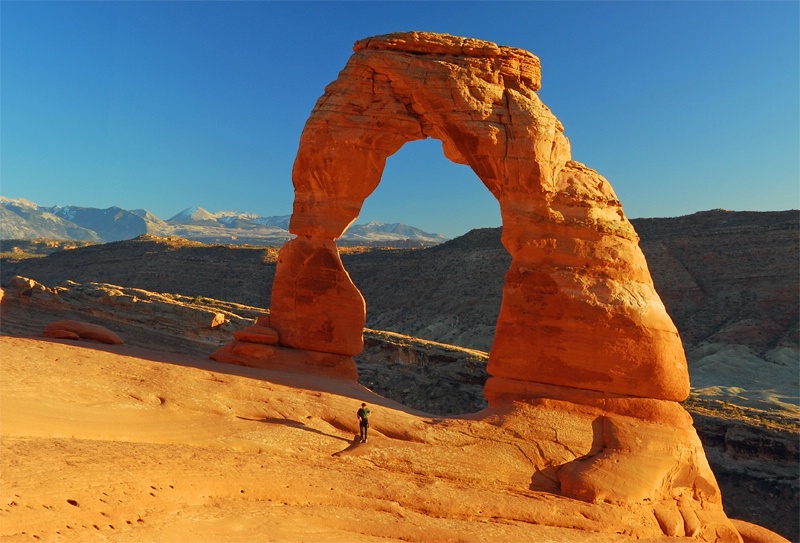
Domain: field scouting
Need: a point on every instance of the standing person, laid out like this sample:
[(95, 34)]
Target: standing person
[(363, 421)]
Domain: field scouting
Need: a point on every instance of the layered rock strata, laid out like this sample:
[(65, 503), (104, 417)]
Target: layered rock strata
[(581, 329), (180, 322)]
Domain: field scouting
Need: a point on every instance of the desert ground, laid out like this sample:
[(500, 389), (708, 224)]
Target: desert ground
[(153, 441), (115, 443), (121, 443)]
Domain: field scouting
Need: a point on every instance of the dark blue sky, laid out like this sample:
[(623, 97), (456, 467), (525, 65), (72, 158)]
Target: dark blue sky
[(682, 106)]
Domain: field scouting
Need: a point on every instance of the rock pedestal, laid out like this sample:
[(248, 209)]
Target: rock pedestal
[(315, 306)]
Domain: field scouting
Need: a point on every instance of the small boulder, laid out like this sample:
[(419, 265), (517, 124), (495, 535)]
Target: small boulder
[(81, 330)]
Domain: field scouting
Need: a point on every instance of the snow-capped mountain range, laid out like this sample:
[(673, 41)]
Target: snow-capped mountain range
[(22, 219)]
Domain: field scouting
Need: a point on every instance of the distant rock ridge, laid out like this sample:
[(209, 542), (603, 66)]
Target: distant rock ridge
[(21, 219)]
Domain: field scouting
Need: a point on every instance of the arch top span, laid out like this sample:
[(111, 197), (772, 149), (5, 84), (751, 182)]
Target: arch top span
[(579, 308), (479, 99), (514, 62)]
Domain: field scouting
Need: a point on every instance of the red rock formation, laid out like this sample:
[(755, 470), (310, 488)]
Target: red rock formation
[(315, 305), (257, 334), (581, 336), (68, 329), (579, 308), (257, 346)]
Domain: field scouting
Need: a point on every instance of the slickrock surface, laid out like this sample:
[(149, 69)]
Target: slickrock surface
[(755, 465), (118, 443), (178, 322)]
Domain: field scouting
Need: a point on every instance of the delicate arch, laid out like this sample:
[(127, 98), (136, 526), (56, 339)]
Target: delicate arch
[(579, 308)]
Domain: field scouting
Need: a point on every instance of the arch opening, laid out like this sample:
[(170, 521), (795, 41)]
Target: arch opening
[(448, 294), (421, 187)]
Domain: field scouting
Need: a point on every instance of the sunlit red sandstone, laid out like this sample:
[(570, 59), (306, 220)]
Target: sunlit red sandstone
[(579, 308), (581, 331), (70, 329)]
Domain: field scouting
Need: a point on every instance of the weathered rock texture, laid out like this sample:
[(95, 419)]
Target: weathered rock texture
[(581, 329), (321, 307), (579, 308), (180, 448), (176, 322)]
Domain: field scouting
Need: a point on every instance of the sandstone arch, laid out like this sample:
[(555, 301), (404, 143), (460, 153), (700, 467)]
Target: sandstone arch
[(579, 308), (582, 337)]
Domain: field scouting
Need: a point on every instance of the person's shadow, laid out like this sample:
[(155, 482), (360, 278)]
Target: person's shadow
[(356, 441), (350, 448), (299, 425)]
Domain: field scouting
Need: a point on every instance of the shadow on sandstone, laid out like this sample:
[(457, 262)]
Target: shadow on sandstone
[(300, 426)]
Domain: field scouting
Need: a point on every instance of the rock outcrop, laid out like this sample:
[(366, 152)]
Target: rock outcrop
[(582, 335), (257, 346), (69, 329), (176, 322)]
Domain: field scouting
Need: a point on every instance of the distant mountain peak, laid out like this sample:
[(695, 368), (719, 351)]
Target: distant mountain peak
[(22, 219), (18, 202), (192, 215)]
